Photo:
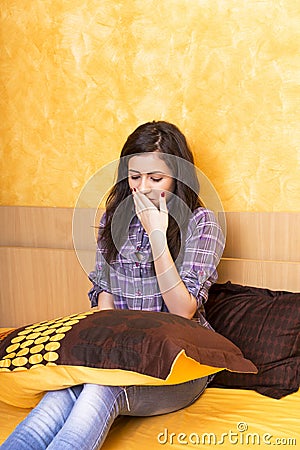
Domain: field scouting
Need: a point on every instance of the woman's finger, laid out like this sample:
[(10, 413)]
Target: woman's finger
[(142, 202), (163, 209), (163, 203), (145, 200), (139, 207)]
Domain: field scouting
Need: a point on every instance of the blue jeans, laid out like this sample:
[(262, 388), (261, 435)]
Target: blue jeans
[(80, 417)]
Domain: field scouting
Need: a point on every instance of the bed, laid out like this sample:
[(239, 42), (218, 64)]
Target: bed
[(260, 266)]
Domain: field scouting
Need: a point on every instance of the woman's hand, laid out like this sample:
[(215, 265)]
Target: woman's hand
[(152, 218), (155, 222)]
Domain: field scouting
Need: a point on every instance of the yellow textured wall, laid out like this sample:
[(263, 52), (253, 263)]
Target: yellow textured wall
[(78, 75)]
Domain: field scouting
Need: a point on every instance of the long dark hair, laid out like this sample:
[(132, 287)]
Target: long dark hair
[(167, 139)]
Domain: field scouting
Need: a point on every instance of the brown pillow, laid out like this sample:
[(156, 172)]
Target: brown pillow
[(113, 347), (140, 341), (265, 325)]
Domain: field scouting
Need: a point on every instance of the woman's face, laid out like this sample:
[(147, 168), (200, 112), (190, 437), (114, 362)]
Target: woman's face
[(149, 174)]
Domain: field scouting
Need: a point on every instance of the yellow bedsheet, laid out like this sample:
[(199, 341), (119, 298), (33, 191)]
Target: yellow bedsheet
[(221, 418)]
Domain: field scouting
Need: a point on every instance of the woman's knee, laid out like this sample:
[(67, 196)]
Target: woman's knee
[(155, 400)]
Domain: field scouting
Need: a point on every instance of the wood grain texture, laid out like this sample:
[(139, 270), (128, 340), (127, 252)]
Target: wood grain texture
[(269, 236), (39, 284), (276, 275), (31, 226), (41, 276)]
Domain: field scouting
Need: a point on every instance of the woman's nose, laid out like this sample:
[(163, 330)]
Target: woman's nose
[(144, 186)]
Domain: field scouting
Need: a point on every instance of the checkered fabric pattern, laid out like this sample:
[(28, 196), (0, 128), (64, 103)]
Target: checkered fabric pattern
[(132, 279)]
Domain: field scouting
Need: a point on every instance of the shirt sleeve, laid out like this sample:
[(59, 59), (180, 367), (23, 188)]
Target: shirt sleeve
[(204, 246), (100, 275)]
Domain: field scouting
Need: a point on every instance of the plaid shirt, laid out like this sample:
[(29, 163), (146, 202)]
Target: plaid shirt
[(132, 280)]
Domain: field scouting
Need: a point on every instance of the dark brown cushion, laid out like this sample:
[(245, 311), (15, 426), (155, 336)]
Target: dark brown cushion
[(265, 325), (141, 341)]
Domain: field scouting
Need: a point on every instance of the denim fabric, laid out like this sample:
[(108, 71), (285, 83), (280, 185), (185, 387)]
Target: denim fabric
[(80, 417)]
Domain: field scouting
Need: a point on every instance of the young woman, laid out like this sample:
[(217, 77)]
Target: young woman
[(158, 249)]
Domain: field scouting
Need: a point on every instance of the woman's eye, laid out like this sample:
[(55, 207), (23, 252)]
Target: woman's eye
[(156, 179), (134, 177)]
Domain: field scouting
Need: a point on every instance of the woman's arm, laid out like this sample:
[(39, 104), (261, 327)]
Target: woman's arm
[(105, 301), (174, 292), (155, 221), (99, 294)]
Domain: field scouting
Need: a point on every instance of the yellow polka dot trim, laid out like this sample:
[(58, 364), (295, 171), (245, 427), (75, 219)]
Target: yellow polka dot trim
[(38, 344)]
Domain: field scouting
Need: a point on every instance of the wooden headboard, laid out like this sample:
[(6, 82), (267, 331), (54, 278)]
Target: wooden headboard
[(41, 277)]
